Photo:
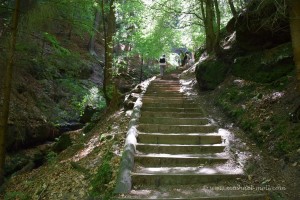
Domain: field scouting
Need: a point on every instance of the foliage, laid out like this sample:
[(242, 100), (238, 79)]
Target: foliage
[(17, 195), (265, 121), (149, 34), (103, 177), (76, 16), (51, 157), (92, 99)]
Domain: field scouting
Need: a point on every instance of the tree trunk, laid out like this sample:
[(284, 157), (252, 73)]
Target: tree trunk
[(209, 27), (109, 30), (232, 8), (295, 34), (142, 66), (218, 20), (7, 89), (93, 36)]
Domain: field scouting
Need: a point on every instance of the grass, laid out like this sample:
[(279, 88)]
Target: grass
[(102, 178), (264, 122)]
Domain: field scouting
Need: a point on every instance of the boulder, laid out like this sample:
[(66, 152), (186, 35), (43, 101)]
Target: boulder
[(210, 73), (64, 141), (265, 66), (261, 25)]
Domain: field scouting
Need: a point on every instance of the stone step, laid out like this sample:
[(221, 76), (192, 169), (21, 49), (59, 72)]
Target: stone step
[(158, 104), (225, 197), (165, 83), (189, 170), (194, 192), (169, 95), (167, 178), (167, 109), (174, 121), (160, 128), (165, 87), (163, 90), (155, 114), (175, 99), (173, 138), (179, 149), (178, 160)]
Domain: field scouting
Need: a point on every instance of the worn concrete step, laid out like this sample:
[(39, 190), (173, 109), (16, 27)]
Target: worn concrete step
[(194, 192), (172, 114), (158, 104), (161, 128), (169, 95), (175, 109), (175, 138), (165, 82), (179, 149), (165, 94), (150, 87), (178, 160), (225, 197), (173, 100), (174, 121), (164, 87), (167, 178), (189, 170), (163, 90)]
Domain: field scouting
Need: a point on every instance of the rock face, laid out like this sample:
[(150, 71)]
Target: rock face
[(25, 136), (262, 25), (265, 66), (211, 73)]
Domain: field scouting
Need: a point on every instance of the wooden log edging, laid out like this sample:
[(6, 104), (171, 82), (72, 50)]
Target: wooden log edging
[(124, 183)]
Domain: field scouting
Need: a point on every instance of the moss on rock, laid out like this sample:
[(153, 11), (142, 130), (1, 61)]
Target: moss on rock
[(211, 73), (266, 66)]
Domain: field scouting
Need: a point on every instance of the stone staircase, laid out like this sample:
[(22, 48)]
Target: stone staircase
[(180, 154)]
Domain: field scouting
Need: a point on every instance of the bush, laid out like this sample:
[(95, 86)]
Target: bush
[(102, 178)]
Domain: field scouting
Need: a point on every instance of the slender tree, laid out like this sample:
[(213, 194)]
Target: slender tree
[(232, 8), (7, 89), (109, 23), (294, 6), (93, 36)]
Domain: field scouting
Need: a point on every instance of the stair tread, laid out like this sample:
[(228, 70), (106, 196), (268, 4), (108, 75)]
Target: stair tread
[(181, 134), (183, 156), (219, 170), (182, 145)]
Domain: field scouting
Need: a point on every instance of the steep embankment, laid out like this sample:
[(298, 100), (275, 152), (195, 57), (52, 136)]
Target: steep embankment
[(257, 66)]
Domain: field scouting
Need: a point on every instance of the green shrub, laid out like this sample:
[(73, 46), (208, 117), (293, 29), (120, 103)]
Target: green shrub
[(16, 195), (51, 157), (102, 178)]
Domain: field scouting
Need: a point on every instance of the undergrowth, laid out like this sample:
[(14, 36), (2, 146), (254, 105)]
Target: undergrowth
[(264, 120)]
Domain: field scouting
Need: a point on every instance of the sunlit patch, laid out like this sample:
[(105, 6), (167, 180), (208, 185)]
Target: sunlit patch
[(277, 95), (89, 147)]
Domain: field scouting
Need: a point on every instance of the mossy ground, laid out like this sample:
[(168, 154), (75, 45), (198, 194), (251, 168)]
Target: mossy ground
[(263, 111)]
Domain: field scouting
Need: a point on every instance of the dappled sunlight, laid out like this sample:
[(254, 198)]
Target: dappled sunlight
[(88, 148)]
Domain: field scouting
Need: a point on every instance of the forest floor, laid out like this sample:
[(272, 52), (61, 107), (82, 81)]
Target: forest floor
[(74, 173)]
